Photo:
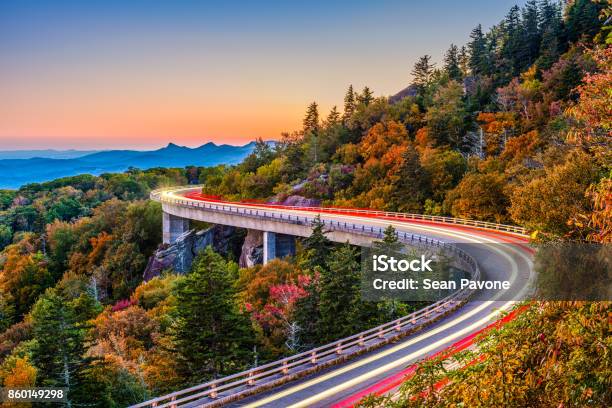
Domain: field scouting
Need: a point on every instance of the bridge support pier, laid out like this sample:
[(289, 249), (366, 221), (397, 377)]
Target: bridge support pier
[(277, 246), (173, 227)]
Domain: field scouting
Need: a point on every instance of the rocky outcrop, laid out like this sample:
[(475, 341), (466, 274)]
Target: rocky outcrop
[(179, 255), (252, 249), (299, 201)]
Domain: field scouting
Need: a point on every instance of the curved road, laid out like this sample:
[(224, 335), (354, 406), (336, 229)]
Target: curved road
[(500, 255)]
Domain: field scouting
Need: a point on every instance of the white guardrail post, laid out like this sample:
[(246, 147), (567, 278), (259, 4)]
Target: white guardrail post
[(235, 386)]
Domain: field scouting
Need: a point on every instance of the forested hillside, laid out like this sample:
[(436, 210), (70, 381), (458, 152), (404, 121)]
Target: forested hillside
[(514, 127)]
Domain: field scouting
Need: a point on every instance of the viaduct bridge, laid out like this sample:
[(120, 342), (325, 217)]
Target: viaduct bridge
[(339, 373)]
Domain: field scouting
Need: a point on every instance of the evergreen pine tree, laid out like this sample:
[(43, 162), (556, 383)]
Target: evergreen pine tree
[(390, 242), (511, 49), (340, 295), (365, 97), (551, 29), (211, 336), (349, 104), (317, 245), (311, 130), (59, 327), (311, 120), (333, 118), (582, 19), (530, 35), (452, 64), (307, 314), (422, 71), (477, 48)]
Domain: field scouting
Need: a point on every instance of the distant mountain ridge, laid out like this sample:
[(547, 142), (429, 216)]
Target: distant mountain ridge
[(17, 172), (44, 153)]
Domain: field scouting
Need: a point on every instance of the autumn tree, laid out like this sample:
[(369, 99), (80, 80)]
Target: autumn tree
[(559, 192), (479, 196), (592, 124), (445, 168)]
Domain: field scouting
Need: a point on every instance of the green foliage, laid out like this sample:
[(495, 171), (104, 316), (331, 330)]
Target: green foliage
[(422, 72), (262, 155), (478, 61), (452, 64), (340, 295), (317, 245), (365, 97), (582, 22), (6, 198), (6, 236), (64, 210), (58, 329), (211, 336), (447, 117), (390, 242)]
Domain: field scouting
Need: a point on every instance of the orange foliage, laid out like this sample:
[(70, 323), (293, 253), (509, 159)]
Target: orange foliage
[(132, 322), (496, 122), (255, 282), (22, 374), (381, 137), (99, 245), (593, 112), (496, 127), (19, 374), (392, 159), (520, 147), (423, 137)]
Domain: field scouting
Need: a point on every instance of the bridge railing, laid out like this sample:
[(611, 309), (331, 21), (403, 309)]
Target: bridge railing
[(157, 195), (233, 387)]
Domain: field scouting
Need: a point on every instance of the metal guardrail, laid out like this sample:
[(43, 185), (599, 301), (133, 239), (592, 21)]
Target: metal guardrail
[(233, 387)]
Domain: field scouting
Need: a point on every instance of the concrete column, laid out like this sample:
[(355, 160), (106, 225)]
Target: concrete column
[(269, 246), (173, 227), (277, 246)]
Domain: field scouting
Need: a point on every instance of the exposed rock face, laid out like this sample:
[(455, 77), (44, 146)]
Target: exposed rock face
[(252, 249), (299, 201), (179, 255)]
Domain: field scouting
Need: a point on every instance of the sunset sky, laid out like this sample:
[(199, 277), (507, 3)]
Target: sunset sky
[(140, 74)]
